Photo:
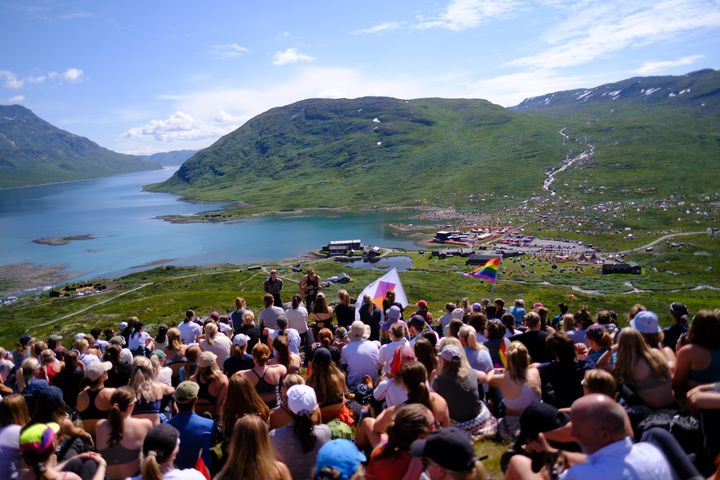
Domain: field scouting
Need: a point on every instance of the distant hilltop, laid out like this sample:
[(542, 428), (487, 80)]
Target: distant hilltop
[(639, 139), (176, 157), (33, 152)]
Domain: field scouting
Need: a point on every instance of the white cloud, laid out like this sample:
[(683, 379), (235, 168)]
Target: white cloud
[(229, 50), (509, 90), (10, 80), (466, 14), (601, 30), (291, 55), (380, 27), (76, 15), (16, 99), (648, 68), (73, 75), (179, 126), (223, 117)]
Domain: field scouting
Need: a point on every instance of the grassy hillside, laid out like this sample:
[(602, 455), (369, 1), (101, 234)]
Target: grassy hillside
[(375, 152), (34, 152), (653, 137)]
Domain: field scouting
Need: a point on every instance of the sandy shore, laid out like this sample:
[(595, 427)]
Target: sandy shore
[(18, 277)]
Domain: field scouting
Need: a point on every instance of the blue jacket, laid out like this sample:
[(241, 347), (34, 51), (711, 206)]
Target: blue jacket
[(196, 432)]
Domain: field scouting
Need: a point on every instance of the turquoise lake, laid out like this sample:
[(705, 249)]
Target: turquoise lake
[(120, 216)]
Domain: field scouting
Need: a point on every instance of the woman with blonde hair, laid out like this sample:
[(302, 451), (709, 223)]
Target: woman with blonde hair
[(149, 393), (344, 311), (266, 378), (520, 387), (120, 437), (251, 455), (216, 342), (190, 367), (478, 355), (175, 354), (213, 385), (27, 372), (159, 449), (457, 383), (643, 369), (13, 417)]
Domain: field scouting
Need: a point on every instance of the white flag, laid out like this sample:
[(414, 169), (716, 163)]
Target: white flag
[(377, 290)]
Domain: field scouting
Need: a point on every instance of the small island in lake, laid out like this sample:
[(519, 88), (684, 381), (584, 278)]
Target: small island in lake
[(55, 241)]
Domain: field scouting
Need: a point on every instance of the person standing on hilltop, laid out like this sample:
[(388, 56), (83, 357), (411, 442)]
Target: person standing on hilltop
[(273, 286), (310, 286), (236, 317)]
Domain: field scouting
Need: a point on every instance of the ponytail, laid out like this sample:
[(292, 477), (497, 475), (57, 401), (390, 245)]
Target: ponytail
[(26, 372), (303, 429), (121, 399), (296, 299), (150, 469), (117, 424), (414, 376)]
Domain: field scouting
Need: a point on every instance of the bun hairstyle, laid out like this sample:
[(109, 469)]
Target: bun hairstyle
[(261, 353), (120, 400)]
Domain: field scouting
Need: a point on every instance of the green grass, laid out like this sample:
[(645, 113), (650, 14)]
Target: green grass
[(669, 274)]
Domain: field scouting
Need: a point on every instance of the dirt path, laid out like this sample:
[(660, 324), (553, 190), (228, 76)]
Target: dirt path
[(661, 239)]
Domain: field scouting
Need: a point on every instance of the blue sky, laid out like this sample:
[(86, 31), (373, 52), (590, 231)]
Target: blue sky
[(150, 76)]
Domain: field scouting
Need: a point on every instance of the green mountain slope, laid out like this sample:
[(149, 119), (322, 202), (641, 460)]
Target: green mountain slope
[(650, 138), (33, 152), (654, 136), (375, 152)]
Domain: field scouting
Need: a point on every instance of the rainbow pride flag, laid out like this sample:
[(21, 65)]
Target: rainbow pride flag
[(502, 352), (488, 271)]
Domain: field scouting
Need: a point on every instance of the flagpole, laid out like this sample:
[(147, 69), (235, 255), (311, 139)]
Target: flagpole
[(492, 287)]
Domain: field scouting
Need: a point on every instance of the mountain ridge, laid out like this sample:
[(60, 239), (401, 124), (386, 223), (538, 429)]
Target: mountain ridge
[(34, 152)]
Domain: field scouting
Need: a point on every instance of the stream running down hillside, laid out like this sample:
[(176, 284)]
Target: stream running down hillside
[(567, 163)]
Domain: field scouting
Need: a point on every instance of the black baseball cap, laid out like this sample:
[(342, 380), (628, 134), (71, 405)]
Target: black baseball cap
[(417, 321), (450, 447), (322, 356), (161, 439), (538, 418)]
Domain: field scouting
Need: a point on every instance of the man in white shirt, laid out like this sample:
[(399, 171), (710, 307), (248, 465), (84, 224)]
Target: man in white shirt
[(269, 314), (601, 427), (360, 356), (189, 330)]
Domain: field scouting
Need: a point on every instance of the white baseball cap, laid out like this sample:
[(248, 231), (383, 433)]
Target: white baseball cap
[(301, 400)]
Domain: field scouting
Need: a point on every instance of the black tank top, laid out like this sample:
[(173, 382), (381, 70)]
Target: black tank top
[(264, 388), (204, 393), (92, 412)]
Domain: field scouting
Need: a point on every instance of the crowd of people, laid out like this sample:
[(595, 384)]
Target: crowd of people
[(312, 389)]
